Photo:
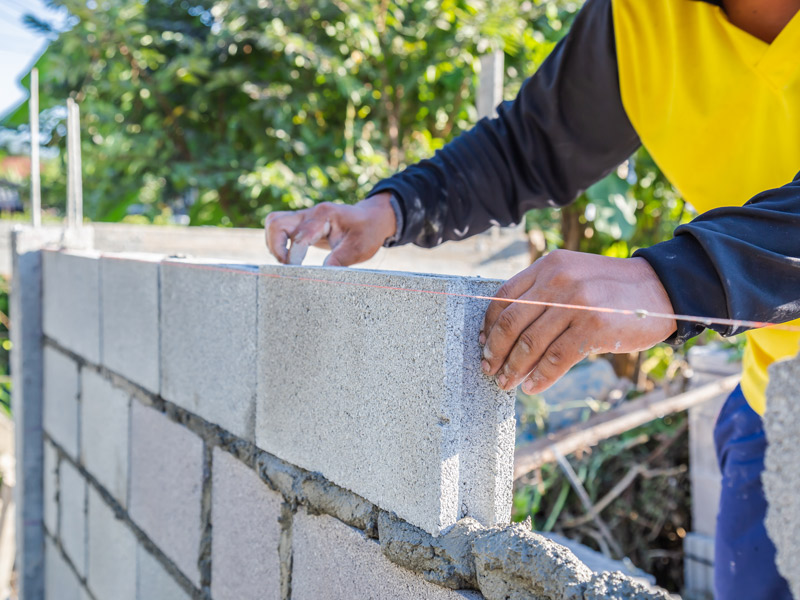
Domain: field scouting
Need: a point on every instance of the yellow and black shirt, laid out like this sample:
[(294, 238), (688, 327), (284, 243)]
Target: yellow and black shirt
[(719, 111)]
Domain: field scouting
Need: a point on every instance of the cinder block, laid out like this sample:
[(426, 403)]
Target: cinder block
[(381, 391), (166, 486), (60, 582), (208, 342), (245, 512), (104, 433), (50, 484), (71, 301), (61, 400), (334, 561), (129, 286), (154, 583), (72, 518), (112, 553)]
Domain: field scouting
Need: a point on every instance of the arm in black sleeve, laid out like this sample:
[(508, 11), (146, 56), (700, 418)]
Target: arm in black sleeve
[(735, 262), (566, 129)]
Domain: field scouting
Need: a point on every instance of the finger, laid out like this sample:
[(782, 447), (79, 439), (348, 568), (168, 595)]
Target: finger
[(278, 227), (565, 352), (531, 346), (310, 232), (347, 252), (513, 288), (504, 332)]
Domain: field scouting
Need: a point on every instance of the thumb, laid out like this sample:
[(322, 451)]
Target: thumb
[(345, 253)]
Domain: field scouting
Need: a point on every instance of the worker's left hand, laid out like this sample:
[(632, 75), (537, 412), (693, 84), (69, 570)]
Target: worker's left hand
[(536, 345)]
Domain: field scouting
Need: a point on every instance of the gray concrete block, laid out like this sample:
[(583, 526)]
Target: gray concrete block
[(60, 582), (334, 561), (129, 285), (154, 583), (112, 553), (781, 476), (104, 433), (71, 301), (61, 389), (50, 488), (381, 391), (208, 342), (166, 484), (244, 552), (72, 514)]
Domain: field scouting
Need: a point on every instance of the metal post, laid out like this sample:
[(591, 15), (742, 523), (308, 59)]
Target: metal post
[(36, 193), (74, 181), (490, 84)]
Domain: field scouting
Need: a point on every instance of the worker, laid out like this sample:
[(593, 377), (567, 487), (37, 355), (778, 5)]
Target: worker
[(712, 90)]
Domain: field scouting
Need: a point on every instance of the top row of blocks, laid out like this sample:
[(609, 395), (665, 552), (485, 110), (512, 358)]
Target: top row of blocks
[(380, 392)]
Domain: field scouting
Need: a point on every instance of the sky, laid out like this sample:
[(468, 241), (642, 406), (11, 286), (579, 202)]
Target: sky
[(19, 47)]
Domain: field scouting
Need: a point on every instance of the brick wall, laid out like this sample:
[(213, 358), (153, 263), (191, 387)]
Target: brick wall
[(234, 432)]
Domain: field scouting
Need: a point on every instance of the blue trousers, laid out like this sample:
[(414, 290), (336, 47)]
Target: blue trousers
[(744, 561)]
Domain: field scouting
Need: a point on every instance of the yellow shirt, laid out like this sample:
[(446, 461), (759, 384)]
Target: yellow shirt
[(719, 111)]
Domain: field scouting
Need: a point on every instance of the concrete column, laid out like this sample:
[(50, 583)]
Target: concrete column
[(490, 86), (27, 391)]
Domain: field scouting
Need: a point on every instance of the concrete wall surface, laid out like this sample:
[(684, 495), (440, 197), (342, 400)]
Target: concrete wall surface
[(279, 433), (781, 477)]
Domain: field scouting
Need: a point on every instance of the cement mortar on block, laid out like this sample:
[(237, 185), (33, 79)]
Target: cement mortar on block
[(166, 481), (336, 562), (104, 433), (152, 580), (208, 342), (61, 389), (382, 393), (246, 534), (50, 472), (72, 517), (781, 476), (112, 553), (130, 317), (60, 582), (71, 301)]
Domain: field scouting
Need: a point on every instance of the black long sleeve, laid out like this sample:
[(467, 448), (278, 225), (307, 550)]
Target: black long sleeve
[(740, 262), (566, 129)]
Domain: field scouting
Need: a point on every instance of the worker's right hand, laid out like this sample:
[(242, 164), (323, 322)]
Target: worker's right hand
[(353, 233)]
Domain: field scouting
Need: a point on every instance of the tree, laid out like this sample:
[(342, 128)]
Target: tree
[(233, 108)]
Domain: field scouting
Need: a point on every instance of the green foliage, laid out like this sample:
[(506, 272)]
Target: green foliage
[(229, 109)]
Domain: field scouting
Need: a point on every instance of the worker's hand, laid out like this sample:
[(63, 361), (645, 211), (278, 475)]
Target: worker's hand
[(353, 233), (536, 345)]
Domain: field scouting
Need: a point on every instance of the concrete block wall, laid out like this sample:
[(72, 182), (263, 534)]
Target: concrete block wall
[(286, 433)]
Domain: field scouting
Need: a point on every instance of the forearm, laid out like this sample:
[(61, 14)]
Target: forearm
[(565, 130), (735, 262)]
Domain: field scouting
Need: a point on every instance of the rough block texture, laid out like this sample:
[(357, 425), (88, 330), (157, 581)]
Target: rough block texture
[(208, 342), (72, 520), (129, 286), (71, 301), (61, 388), (50, 488), (781, 475), (166, 486), (61, 583), (112, 553), (382, 392), (104, 433), (336, 562), (154, 583), (245, 513)]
